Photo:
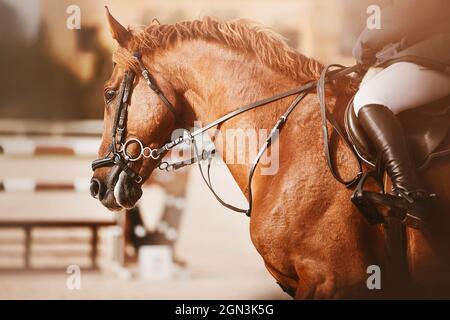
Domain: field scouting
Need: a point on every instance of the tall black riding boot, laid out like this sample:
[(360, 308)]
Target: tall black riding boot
[(386, 134)]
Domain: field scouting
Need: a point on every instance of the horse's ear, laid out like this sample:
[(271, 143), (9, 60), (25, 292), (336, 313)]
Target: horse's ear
[(155, 22), (118, 32)]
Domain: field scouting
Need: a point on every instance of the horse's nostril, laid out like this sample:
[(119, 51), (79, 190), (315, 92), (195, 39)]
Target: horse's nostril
[(96, 188)]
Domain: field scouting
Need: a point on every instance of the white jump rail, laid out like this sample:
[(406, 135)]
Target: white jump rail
[(31, 139), (90, 128), (32, 185), (49, 146), (80, 139)]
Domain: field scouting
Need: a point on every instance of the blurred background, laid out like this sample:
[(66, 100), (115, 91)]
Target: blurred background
[(179, 242)]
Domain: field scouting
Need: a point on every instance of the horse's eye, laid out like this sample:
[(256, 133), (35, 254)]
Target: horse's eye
[(109, 94)]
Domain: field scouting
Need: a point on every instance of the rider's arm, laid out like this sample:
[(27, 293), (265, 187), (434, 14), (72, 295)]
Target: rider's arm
[(398, 19)]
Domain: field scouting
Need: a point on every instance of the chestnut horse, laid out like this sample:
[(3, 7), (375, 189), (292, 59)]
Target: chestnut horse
[(310, 236)]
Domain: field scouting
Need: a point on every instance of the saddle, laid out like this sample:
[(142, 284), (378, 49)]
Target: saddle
[(426, 128), (427, 131)]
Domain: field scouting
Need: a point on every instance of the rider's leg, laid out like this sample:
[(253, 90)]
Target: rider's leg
[(376, 103), (386, 133), (403, 86)]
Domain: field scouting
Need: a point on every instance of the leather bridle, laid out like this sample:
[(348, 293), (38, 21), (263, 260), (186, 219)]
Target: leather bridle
[(119, 156)]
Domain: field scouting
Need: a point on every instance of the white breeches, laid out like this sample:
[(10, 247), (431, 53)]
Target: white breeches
[(402, 86)]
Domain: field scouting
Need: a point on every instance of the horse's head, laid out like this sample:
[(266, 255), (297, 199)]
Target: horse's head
[(137, 122)]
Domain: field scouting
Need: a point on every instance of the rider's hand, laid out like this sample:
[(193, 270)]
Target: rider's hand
[(363, 54)]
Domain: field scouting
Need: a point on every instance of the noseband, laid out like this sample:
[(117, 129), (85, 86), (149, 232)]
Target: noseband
[(119, 156)]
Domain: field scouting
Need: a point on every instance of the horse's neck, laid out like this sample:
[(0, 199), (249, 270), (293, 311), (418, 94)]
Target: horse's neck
[(215, 80)]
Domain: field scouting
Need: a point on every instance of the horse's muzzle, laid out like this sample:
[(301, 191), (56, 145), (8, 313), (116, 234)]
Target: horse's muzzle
[(116, 190)]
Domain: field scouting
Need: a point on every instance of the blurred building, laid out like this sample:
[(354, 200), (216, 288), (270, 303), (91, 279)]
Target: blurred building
[(71, 65), (316, 28)]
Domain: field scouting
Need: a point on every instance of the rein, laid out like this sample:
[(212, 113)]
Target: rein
[(119, 156)]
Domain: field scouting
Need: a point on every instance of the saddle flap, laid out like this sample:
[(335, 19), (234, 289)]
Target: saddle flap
[(426, 128)]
